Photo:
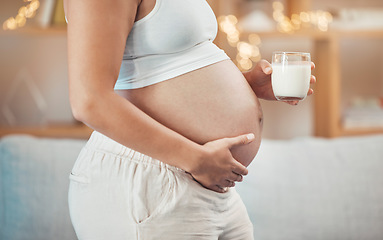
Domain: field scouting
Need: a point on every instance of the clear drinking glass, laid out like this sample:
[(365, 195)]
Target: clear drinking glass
[(290, 79)]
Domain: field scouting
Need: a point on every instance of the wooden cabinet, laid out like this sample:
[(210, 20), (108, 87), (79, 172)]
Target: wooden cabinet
[(79, 131), (326, 53), (328, 120), (53, 30)]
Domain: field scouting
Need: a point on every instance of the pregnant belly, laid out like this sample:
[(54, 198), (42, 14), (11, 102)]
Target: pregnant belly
[(206, 104)]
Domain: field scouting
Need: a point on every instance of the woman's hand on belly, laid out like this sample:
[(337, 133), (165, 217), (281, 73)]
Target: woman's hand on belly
[(216, 169), (210, 103)]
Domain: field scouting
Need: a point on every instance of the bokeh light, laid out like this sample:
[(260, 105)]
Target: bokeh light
[(247, 52), (319, 19), (28, 11)]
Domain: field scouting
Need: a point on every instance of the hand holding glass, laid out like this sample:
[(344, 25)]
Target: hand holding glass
[(290, 79)]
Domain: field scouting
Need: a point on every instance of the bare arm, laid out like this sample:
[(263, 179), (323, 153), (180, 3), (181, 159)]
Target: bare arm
[(97, 33)]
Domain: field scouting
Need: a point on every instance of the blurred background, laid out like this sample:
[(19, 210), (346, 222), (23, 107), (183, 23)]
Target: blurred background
[(345, 38), (314, 184)]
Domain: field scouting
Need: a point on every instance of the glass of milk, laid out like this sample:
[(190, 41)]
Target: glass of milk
[(291, 75)]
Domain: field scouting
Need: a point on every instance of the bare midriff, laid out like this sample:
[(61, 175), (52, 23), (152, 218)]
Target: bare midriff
[(206, 104)]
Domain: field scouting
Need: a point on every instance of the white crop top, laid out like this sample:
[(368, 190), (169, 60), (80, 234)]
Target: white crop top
[(176, 37)]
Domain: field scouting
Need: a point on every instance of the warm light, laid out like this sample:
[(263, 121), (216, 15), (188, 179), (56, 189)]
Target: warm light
[(305, 17), (245, 64), (20, 20), (320, 19), (296, 21), (278, 6), (255, 52), (233, 40), (278, 16), (247, 52), (256, 58), (24, 12), (254, 39), (328, 16), (285, 25), (11, 23), (233, 19), (34, 5), (244, 48), (323, 26)]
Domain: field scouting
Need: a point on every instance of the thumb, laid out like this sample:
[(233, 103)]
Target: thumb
[(265, 66), (240, 140)]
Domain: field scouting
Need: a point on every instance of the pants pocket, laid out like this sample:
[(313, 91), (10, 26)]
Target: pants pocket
[(79, 178), (151, 198), (80, 172)]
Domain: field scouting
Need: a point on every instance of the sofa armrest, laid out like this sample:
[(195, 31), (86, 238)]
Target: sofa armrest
[(34, 183)]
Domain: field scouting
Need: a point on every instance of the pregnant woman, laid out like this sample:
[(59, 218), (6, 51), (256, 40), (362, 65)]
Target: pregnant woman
[(175, 122)]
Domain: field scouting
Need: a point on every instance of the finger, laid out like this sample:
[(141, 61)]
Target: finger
[(224, 183), (313, 79), (239, 169), (240, 140), (235, 177), (311, 91), (294, 103), (265, 66), (232, 184), (218, 189), (312, 65), (228, 183)]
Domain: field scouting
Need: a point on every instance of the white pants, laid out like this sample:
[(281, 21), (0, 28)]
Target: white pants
[(116, 193)]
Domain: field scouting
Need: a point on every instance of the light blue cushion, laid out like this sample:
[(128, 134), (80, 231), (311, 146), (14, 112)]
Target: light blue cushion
[(34, 184)]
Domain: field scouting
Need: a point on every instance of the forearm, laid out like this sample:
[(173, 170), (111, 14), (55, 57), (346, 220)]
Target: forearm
[(123, 122)]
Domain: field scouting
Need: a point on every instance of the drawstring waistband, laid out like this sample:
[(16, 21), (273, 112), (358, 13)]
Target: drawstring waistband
[(102, 143)]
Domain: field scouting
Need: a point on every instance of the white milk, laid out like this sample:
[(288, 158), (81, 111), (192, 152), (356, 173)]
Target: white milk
[(291, 81)]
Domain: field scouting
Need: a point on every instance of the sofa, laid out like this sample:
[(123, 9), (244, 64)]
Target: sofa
[(299, 189)]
